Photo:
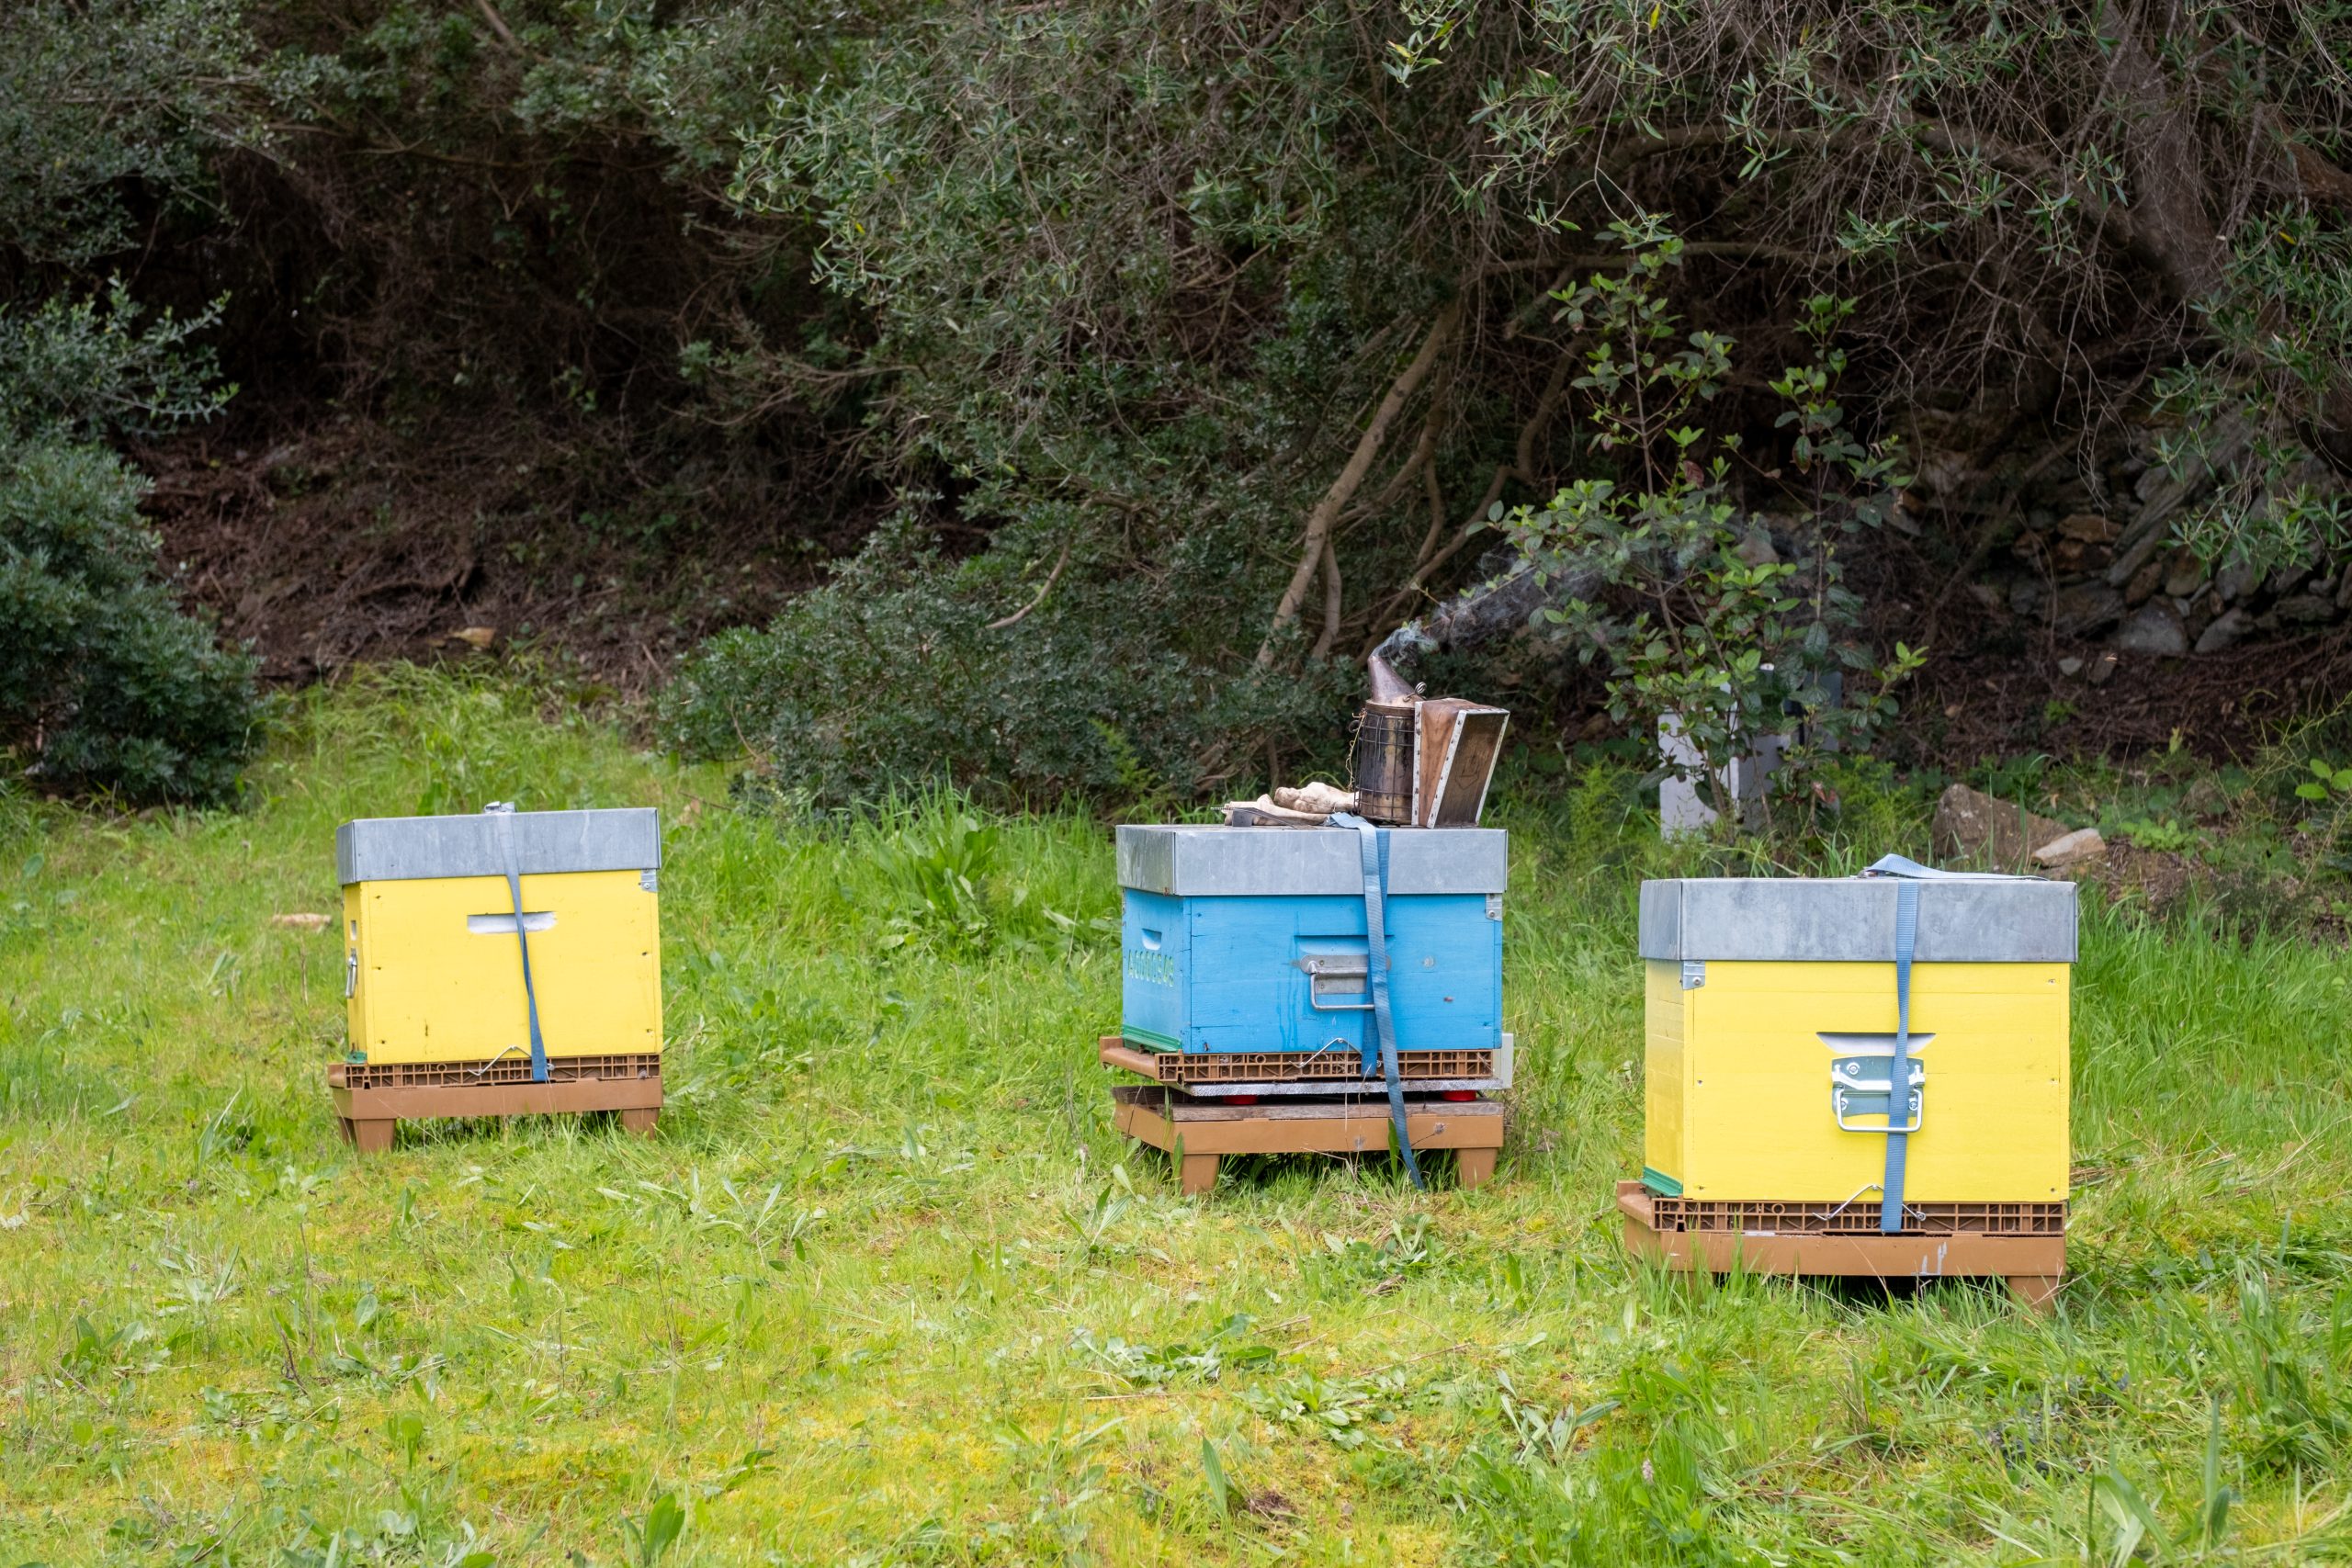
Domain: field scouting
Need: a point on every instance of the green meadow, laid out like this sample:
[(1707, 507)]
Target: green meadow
[(884, 1287)]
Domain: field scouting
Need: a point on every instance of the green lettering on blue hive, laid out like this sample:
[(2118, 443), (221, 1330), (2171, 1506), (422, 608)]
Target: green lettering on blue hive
[(1153, 968)]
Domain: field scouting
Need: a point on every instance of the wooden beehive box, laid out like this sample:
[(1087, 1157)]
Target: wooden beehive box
[(433, 968), (1770, 999)]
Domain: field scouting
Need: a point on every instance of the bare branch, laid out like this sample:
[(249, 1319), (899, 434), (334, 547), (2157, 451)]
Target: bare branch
[(1044, 588), (1343, 488)]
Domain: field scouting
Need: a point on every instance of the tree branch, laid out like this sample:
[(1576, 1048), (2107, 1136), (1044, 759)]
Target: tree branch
[(1044, 588), (1332, 598), (1523, 468), (1351, 478)]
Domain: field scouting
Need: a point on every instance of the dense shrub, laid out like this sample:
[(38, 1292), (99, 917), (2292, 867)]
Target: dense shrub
[(900, 671), (110, 114), (105, 682)]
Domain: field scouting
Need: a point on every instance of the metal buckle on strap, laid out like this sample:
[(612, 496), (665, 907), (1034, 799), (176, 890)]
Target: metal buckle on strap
[(1862, 1078)]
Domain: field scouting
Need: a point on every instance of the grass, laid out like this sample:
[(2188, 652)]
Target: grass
[(886, 1288)]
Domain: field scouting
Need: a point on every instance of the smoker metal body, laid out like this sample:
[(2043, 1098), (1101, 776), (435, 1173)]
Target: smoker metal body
[(1771, 1024), (433, 971), (1254, 938)]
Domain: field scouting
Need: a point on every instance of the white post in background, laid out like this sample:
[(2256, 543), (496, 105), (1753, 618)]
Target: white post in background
[(1683, 805)]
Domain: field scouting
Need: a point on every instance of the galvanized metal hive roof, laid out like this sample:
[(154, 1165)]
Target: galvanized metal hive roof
[(1186, 861), (394, 849), (1963, 920)]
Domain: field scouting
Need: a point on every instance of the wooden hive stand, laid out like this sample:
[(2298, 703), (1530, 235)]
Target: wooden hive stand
[(1198, 1133), (2022, 1245), (372, 1100)]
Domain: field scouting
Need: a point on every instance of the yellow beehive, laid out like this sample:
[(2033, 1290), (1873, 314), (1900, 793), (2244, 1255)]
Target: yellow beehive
[(433, 969), (1771, 1007)]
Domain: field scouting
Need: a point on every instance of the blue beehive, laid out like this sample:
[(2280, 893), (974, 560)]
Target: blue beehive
[(1252, 939)]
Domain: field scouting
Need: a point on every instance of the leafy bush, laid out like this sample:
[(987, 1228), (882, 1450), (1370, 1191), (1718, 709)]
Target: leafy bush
[(105, 683), (900, 671), (1703, 627)]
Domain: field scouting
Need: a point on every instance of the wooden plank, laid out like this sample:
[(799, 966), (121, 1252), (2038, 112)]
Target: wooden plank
[(1853, 1257), (1359, 1131), (412, 1104)]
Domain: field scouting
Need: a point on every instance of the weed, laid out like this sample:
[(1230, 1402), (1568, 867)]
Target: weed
[(1338, 1410), (1155, 1365)]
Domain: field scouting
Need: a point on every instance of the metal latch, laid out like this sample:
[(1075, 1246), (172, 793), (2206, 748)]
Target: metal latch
[(1338, 974), (1860, 1083), (350, 973), (1694, 974)]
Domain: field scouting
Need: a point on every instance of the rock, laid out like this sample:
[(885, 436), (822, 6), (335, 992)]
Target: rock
[(2072, 849), (2087, 607), (2103, 668), (2069, 667), (2236, 582), (2144, 583), (302, 922), (2286, 579), (2073, 494), (2207, 797), (2154, 628), (1986, 594), (476, 636), (2088, 526), (1971, 825), (2226, 629), (1755, 549), (1941, 472), (2187, 576), (2025, 596), (2305, 609)]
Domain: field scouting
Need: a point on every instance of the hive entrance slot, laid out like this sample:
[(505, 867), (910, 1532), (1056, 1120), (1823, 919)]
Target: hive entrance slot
[(503, 925)]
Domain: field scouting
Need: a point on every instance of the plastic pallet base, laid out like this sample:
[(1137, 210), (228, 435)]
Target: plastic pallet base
[(370, 1111), (1185, 1067), (1856, 1217), (475, 1075), (1197, 1134), (2031, 1265)]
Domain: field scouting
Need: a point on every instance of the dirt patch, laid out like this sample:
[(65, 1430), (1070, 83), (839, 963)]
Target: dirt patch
[(336, 543), (2002, 684)]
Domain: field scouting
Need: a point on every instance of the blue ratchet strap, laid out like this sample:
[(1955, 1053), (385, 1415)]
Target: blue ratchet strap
[(503, 811), (1909, 874), (1900, 1123), (1376, 927)]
